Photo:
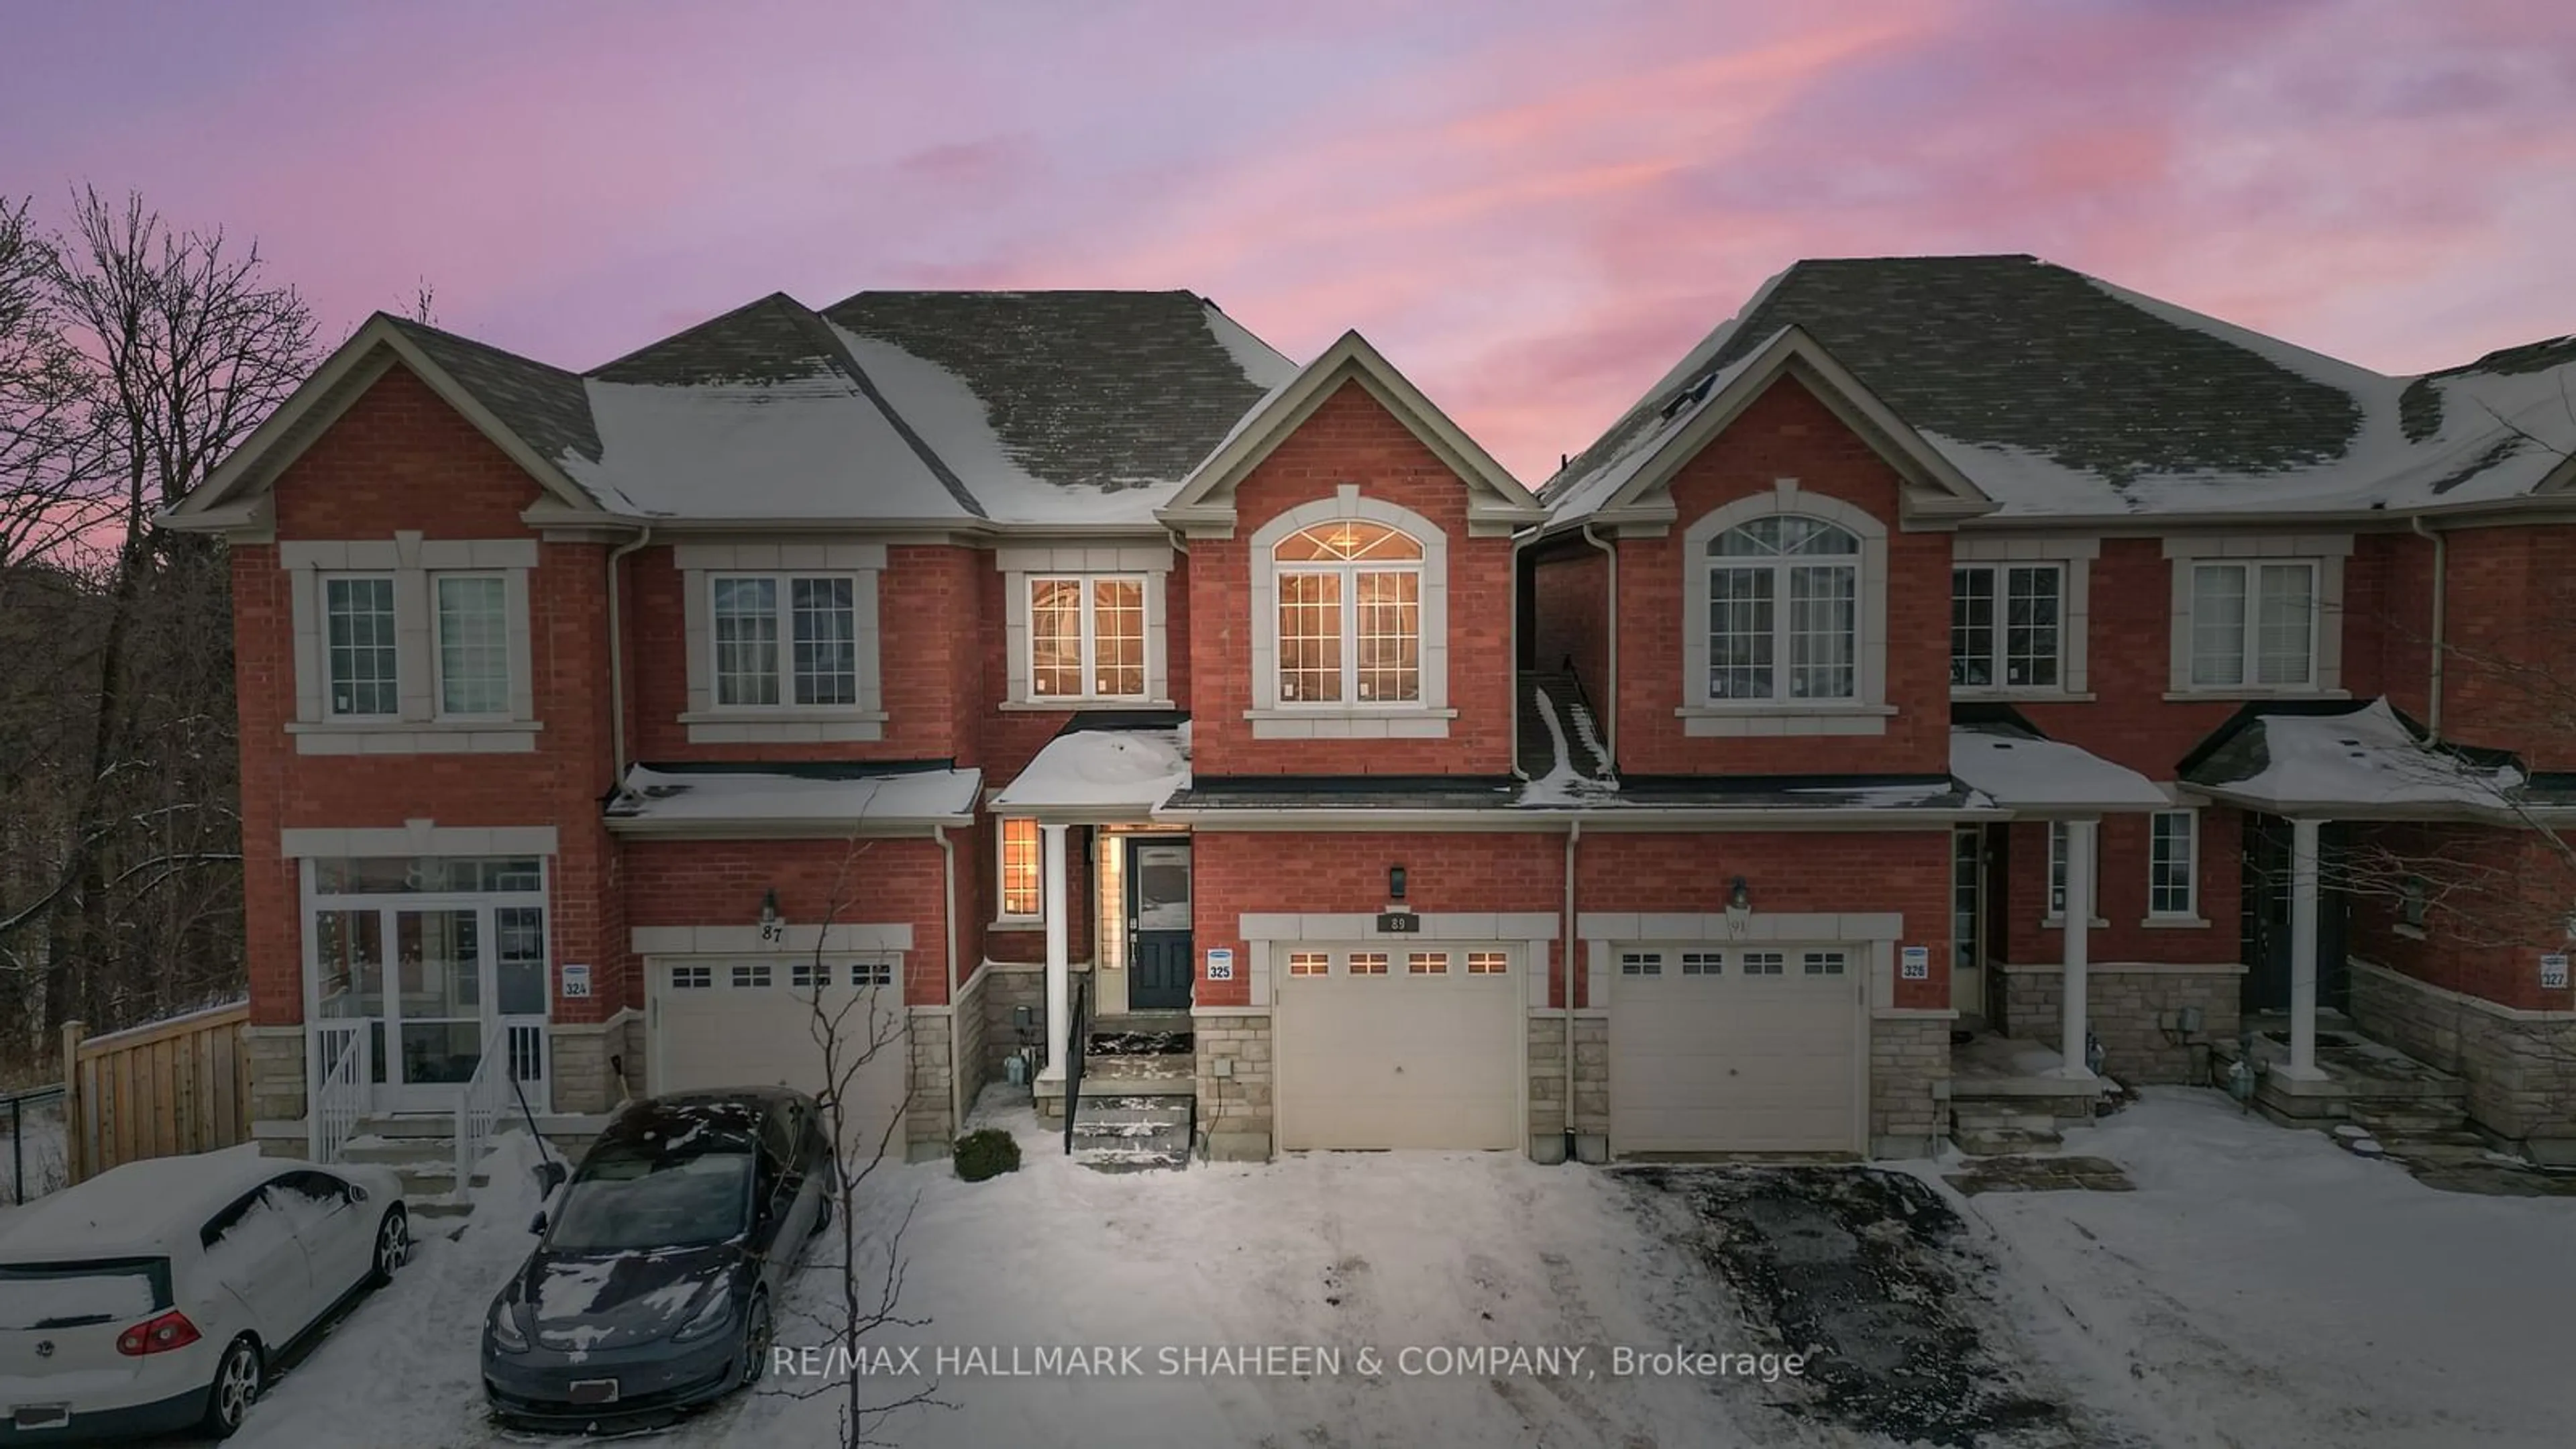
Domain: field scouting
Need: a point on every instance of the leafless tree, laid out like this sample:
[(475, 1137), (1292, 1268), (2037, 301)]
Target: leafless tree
[(140, 355), (851, 1031)]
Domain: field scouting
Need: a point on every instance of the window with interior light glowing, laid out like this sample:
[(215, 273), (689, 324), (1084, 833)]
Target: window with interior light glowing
[(1350, 615)]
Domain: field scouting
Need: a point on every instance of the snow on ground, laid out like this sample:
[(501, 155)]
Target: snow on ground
[(2260, 1287), (2265, 1287), (34, 1156), (400, 1370)]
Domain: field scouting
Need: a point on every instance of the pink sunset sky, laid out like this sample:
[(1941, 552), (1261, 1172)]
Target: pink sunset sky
[(1531, 207)]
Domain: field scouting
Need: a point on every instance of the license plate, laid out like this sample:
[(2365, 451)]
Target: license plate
[(594, 1391), (40, 1416)]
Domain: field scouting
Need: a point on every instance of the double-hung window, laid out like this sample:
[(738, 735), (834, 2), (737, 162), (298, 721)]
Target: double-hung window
[(2254, 624), (472, 613), (784, 639), (1022, 899), (1087, 637), (2172, 864), (2006, 625), (1783, 611), (363, 680), (2059, 852), (1350, 615)]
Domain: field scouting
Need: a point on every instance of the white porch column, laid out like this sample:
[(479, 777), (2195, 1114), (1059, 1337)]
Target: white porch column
[(1059, 969), (2303, 954), (2079, 947)]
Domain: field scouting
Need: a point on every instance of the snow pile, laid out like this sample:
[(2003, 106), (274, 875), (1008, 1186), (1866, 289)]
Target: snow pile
[(2263, 1287), (1114, 769), (1563, 784), (673, 797), (2367, 757), (2025, 772)]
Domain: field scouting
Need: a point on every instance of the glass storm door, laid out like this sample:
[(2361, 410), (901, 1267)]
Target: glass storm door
[(442, 981), (1158, 925)]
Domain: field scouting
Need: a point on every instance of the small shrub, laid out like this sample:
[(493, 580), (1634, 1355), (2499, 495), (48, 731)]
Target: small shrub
[(987, 1153)]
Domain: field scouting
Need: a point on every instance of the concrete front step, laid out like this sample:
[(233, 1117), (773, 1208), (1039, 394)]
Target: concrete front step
[(2004, 1141), (1133, 1109)]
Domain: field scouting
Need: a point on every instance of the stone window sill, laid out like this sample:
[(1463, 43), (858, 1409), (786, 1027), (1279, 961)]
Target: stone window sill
[(1018, 923), (2223, 693), (1393, 722), (783, 725), (414, 737), (2411, 933), (1060, 706), (2058, 923), (2038, 694), (1794, 718), (2174, 923)]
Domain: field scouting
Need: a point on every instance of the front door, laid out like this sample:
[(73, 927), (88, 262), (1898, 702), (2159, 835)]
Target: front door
[(2266, 915), (1158, 924)]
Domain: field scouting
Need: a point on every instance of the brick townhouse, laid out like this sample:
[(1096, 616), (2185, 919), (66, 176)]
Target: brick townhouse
[(1957, 681)]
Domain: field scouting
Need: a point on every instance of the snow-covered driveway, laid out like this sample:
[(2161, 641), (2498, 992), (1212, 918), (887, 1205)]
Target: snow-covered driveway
[(2261, 1287), (2264, 1287)]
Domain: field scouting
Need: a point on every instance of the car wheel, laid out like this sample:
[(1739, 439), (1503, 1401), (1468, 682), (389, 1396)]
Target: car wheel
[(393, 1248), (235, 1388), (757, 1333)]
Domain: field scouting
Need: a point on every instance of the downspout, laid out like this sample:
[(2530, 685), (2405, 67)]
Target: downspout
[(1573, 833), (1609, 687), (2441, 591), (957, 1103), (617, 661)]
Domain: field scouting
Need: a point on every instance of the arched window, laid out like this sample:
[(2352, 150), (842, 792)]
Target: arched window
[(1783, 611), (1350, 614)]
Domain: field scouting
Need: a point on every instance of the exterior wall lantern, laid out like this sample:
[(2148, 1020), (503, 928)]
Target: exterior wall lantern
[(1739, 905), (770, 929), (1395, 882)]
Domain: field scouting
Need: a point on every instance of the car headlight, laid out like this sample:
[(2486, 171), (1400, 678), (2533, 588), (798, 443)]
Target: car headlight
[(710, 1320), (505, 1329)]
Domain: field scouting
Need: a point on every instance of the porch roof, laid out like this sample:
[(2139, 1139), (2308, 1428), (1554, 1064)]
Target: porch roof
[(2031, 774), (2360, 761), (791, 801), (1108, 771)]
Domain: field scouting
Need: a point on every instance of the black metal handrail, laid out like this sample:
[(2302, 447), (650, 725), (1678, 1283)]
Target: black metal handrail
[(1076, 1039)]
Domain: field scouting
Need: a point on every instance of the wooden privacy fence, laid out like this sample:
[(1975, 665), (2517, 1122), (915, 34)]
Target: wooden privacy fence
[(181, 1085)]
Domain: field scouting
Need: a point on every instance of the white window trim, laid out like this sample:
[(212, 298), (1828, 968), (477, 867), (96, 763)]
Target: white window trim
[(2052, 917), (2326, 553), (1867, 711), (393, 585), (2074, 558), (1089, 665), (1002, 913), (712, 724), (1425, 718), (418, 726), (2190, 919), (1020, 565)]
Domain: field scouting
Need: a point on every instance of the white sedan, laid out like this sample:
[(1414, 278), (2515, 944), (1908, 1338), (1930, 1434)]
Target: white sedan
[(156, 1295)]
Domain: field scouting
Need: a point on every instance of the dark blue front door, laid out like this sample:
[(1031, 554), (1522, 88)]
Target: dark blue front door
[(1158, 924)]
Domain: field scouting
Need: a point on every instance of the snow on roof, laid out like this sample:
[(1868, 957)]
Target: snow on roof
[(2025, 772), (1101, 770), (817, 447), (1582, 495), (2363, 760), (1563, 784), (1263, 365), (132, 1206), (675, 799)]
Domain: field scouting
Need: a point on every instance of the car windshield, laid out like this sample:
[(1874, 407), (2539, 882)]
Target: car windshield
[(73, 1295), (625, 1199)]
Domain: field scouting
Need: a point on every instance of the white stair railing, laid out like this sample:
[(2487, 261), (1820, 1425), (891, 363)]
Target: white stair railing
[(341, 1102), (480, 1104)]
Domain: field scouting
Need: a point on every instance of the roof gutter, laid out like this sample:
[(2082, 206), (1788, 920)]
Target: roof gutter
[(1610, 686), (2441, 591)]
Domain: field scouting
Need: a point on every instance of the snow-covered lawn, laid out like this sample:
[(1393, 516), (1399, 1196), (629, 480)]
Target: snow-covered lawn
[(36, 1154), (2260, 1287)]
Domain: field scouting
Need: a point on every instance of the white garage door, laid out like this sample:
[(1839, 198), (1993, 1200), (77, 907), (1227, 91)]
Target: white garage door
[(751, 1024), (1412, 1045), (1719, 1048)]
